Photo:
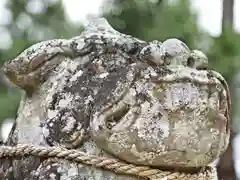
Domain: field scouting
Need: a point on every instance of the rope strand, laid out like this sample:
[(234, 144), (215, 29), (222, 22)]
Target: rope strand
[(99, 162)]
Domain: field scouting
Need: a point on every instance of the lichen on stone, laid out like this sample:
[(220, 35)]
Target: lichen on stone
[(113, 95)]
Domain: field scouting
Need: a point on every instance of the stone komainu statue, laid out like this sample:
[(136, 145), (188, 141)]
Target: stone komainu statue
[(104, 105)]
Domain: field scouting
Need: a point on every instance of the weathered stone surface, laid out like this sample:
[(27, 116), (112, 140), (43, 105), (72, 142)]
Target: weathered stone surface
[(109, 94)]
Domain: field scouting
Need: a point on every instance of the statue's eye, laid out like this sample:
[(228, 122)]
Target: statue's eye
[(197, 60), (190, 61), (202, 68)]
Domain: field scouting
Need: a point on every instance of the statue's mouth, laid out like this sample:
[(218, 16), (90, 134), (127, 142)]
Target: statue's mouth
[(119, 115), (114, 115)]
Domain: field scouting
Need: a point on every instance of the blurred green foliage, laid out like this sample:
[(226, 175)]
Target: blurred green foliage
[(155, 19), (146, 19)]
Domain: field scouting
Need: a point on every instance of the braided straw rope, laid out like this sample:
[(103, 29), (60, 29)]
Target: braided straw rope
[(100, 162)]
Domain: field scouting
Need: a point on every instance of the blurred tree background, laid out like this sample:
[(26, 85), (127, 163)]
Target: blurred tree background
[(34, 20)]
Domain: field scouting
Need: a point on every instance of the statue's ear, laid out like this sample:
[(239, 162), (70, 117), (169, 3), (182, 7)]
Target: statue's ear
[(228, 112)]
